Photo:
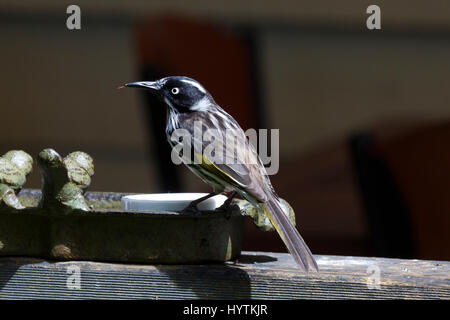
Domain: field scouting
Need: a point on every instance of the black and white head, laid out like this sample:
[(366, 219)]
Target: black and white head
[(181, 94)]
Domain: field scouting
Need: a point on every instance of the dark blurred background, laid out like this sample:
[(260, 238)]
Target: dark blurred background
[(364, 116)]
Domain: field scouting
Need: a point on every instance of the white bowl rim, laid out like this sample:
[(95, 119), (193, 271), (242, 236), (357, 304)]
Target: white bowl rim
[(167, 197)]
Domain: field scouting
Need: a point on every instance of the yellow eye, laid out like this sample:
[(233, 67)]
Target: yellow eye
[(175, 90)]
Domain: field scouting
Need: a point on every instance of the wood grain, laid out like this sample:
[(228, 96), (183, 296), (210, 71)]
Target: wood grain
[(258, 275)]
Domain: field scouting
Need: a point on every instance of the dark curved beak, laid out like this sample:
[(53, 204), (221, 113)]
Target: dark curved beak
[(152, 85)]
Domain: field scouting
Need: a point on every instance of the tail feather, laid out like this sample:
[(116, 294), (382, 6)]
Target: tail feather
[(290, 236)]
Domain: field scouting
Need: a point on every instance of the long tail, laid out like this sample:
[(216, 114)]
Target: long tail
[(290, 236)]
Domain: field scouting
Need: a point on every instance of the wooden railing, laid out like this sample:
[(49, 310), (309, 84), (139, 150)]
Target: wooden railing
[(257, 275)]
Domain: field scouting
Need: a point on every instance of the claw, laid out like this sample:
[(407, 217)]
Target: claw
[(191, 209), (226, 206)]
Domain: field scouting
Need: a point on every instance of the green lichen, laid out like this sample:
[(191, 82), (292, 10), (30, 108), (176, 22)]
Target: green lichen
[(14, 168), (59, 223), (65, 180), (104, 205), (80, 167), (15, 165), (259, 218), (9, 198)]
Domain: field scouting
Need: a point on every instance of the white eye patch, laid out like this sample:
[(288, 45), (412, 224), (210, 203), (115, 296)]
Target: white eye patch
[(195, 84), (175, 90)]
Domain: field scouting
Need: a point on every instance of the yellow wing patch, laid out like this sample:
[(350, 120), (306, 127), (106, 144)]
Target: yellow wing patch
[(209, 166)]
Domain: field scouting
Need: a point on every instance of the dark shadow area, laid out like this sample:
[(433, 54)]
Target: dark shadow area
[(123, 280), (212, 281), (249, 259), (384, 205), (9, 266), (217, 281)]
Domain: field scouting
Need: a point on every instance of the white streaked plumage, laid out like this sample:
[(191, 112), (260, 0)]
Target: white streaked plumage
[(201, 105), (172, 118)]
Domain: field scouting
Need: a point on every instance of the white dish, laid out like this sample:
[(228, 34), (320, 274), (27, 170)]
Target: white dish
[(169, 201)]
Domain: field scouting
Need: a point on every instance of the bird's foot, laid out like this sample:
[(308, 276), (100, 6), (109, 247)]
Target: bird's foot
[(226, 206), (191, 209), (228, 209)]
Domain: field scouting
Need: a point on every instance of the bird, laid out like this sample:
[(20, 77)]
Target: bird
[(237, 169)]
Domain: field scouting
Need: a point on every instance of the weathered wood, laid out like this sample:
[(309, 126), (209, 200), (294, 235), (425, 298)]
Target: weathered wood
[(258, 275), (106, 232)]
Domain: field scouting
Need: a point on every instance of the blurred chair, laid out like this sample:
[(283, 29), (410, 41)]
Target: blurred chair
[(405, 184), (221, 59), (384, 205)]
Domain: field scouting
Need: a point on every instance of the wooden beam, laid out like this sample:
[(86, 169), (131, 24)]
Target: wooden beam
[(258, 275)]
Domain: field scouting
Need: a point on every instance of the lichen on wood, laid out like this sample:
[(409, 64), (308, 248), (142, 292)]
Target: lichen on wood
[(259, 218), (15, 166), (65, 179)]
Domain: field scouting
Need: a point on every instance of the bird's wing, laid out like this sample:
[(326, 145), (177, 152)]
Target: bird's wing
[(226, 151)]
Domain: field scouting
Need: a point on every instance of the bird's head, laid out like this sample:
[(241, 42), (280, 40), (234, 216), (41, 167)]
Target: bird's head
[(180, 93)]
